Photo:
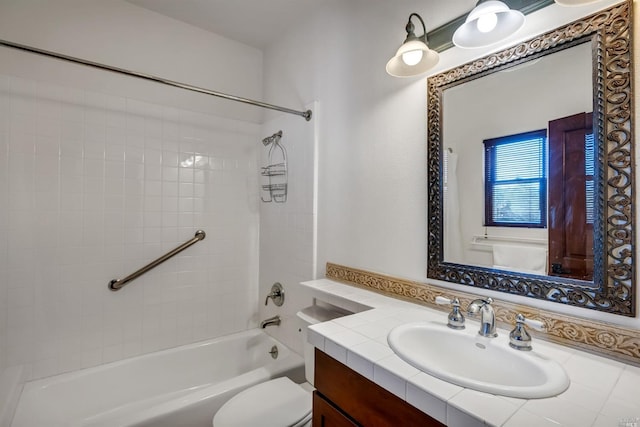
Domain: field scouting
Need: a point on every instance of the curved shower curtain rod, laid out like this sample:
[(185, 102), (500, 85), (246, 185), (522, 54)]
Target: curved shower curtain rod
[(305, 114)]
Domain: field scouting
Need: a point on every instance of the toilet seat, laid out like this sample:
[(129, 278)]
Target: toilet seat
[(276, 403)]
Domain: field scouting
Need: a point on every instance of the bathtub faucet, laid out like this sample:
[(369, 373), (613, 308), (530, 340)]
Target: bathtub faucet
[(275, 320)]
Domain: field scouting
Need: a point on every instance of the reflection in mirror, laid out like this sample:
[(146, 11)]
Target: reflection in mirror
[(530, 168), (501, 201)]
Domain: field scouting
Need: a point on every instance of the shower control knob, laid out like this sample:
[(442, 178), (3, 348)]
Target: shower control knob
[(277, 295)]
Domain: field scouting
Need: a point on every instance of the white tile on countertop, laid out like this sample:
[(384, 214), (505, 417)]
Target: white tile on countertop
[(328, 328), (378, 328), (350, 292), (396, 303), (554, 351), (371, 350), (391, 373), (494, 410), (323, 284), (398, 367), (524, 418), (351, 321), (441, 389), (382, 340), (626, 388), (372, 301), (458, 418), (359, 364), (390, 382), (430, 395), (581, 395), (632, 369), (587, 369), (616, 421), (336, 351), (421, 315), (427, 403), (347, 338), (561, 411), (622, 407), (315, 339), (377, 314)]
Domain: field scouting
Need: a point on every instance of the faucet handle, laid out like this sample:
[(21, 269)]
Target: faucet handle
[(535, 324), (440, 300), (519, 338), (276, 294), (455, 320)]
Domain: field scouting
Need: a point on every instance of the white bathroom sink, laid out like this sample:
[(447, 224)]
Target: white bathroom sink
[(464, 358)]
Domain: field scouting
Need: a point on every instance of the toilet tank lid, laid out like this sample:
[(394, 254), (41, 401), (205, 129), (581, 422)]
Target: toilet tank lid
[(317, 314)]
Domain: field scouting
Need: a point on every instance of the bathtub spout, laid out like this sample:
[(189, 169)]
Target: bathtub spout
[(275, 320)]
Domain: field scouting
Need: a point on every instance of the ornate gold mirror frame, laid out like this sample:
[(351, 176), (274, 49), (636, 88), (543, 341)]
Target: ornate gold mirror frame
[(613, 287)]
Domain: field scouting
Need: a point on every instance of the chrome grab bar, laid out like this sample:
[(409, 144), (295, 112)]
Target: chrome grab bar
[(115, 284)]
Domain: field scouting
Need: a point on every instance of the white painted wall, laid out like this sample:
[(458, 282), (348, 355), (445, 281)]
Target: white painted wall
[(372, 146), (102, 173)]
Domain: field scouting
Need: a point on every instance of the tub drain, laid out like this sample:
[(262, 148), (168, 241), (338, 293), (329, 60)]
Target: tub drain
[(274, 352)]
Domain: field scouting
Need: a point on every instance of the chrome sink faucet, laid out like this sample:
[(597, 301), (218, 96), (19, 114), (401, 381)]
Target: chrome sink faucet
[(455, 320), (519, 338), (487, 316)]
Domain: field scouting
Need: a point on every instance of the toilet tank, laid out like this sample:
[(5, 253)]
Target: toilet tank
[(310, 316)]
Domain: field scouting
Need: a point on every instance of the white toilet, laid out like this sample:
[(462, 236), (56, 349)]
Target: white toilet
[(279, 402)]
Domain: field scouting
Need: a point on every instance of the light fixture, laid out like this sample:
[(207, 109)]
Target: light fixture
[(490, 22), (414, 56)]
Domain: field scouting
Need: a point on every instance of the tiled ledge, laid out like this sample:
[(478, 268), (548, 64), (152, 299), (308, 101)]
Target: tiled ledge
[(603, 392), (611, 340)]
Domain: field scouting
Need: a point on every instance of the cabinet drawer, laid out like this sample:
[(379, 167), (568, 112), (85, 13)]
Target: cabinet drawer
[(326, 415), (363, 400)]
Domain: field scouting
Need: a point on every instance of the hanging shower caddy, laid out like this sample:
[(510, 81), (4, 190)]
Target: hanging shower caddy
[(275, 173)]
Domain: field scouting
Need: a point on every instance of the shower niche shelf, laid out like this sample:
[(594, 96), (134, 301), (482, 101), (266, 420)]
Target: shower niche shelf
[(275, 175)]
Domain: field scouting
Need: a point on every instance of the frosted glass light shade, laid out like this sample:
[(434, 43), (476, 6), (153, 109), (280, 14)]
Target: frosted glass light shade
[(470, 36), (397, 67), (412, 57)]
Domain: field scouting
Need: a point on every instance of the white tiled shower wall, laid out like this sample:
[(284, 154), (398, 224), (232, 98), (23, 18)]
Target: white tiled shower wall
[(93, 187), (287, 230)]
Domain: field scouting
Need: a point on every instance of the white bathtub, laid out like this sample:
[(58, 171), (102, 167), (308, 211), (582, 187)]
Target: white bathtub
[(183, 386)]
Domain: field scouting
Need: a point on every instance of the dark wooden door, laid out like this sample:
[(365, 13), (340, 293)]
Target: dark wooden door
[(570, 176)]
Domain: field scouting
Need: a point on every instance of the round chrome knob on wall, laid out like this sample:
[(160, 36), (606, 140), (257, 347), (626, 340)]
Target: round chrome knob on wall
[(277, 295)]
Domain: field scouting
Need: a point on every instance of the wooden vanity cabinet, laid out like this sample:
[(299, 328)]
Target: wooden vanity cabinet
[(344, 398)]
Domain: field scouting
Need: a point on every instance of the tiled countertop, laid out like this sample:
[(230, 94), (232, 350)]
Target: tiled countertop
[(603, 392)]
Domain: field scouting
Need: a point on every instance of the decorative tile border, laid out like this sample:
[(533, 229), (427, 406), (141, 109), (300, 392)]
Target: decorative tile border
[(598, 337)]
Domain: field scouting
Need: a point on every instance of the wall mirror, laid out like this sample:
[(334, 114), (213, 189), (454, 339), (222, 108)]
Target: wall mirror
[(530, 167)]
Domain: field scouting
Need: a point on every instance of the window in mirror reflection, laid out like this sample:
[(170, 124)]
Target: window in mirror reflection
[(516, 180)]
